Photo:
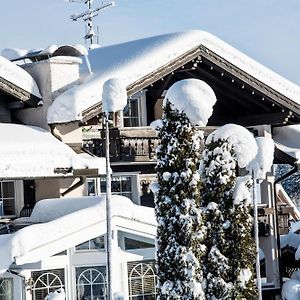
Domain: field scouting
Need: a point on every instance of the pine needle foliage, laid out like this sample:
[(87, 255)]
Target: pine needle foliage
[(180, 231), (230, 254)]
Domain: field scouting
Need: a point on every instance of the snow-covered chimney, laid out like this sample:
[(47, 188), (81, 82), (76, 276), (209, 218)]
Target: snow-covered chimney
[(53, 76)]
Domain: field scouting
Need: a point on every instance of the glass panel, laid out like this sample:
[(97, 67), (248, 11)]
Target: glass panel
[(115, 185), (90, 283), (91, 188), (94, 244), (9, 206), (8, 189), (6, 289), (131, 113), (7, 200), (126, 184)]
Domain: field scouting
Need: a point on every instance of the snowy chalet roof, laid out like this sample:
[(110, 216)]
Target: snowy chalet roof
[(142, 62), (27, 151), (55, 227), (18, 83)]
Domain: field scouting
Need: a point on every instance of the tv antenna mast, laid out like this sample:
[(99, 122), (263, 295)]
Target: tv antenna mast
[(88, 15)]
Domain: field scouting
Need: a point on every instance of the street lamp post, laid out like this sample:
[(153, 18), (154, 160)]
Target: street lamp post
[(256, 236), (108, 210), (114, 98)]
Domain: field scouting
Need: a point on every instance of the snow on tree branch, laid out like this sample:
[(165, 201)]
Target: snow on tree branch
[(194, 97)]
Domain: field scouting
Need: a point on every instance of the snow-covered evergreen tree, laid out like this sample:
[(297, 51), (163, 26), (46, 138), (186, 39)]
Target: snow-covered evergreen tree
[(230, 250), (180, 230)]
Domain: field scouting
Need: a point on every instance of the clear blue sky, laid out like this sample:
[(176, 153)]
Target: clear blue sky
[(266, 30)]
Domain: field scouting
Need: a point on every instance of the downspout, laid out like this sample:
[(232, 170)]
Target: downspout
[(289, 173)]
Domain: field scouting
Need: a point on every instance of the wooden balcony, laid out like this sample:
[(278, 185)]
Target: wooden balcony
[(130, 144)]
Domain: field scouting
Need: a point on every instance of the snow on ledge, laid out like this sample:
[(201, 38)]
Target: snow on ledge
[(27, 151), (136, 59), (16, 75), (287, 139), (59, 229)]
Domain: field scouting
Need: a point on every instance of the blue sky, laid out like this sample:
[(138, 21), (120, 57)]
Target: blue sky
[(266, 30)]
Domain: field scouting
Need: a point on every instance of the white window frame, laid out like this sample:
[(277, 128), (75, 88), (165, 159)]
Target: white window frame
[(88, 267), (13, 199), (135, 184), (142, 109), (89, 249)]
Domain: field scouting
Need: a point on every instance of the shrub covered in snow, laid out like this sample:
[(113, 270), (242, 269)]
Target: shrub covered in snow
[(230, 250), (180, 230)]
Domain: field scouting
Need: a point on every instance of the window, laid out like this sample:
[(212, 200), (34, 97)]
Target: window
[(46, 282), (131, 244), (6, 289), (94, 244), (131, 116), (91, 283), (7, 198), (141, 280), (120, 185)]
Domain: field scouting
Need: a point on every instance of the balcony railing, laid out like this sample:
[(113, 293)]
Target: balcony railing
[(126, 144)]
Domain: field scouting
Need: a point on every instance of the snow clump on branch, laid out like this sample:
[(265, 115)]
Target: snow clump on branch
[(194, 97), (244, 144)]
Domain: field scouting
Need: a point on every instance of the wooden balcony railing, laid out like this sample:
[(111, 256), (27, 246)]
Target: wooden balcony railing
[(126, 144)]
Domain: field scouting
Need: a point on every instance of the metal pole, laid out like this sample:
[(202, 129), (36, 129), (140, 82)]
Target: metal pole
[(258, 276), (108, 210)]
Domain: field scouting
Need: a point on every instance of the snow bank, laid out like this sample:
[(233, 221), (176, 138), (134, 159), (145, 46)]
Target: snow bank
[(137, 59), (244, 144), (16, 75), (194, 97), (114, 95), (65, 229), (27, 151), (287, 140), (264, 158)]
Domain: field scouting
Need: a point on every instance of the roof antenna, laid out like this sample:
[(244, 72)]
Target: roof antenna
[(88, 15)]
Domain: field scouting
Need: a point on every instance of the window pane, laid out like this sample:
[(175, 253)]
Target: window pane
[(94, 244), (90, 283), (9, 206), (126, 184), (91, 188), (6, 288), (7, 198), (115, 185), (8, 189)]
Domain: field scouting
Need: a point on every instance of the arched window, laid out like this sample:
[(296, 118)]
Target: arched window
[(6, 289), (91, 284), (142, 281), (44, 284)]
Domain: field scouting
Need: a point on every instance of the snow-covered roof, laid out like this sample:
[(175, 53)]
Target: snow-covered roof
[(17, 76), (134, 60), (14, 54), (287, 139), (27, 151), (59, 229)]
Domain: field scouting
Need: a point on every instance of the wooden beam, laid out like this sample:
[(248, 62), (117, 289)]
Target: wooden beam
[(269, 118)]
